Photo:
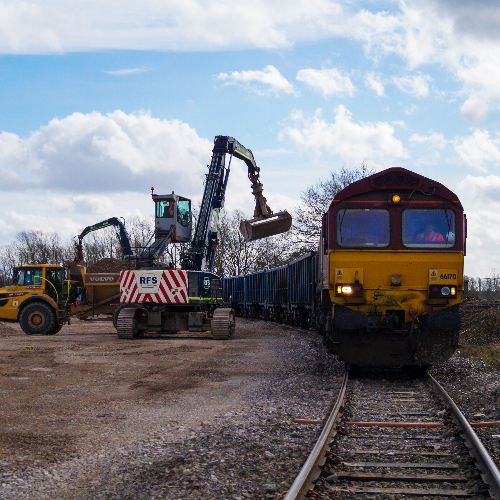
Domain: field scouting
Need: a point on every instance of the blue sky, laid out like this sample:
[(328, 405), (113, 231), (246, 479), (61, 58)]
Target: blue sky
[(99, 101)]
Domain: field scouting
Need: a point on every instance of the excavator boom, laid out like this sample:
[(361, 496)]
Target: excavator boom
[(122, 234)]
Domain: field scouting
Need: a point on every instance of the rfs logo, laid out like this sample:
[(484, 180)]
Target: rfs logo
[(148, 281)]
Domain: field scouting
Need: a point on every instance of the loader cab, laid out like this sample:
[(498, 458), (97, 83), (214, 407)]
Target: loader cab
[(48, 278), (173, 214)]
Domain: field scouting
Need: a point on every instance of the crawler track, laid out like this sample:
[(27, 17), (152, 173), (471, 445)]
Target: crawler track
[(396, 437)]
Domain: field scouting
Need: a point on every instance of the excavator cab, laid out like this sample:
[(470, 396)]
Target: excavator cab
[(173, 216)]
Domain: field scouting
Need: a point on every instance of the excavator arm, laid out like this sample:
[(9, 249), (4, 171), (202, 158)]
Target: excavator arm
[(201, 254), (239, 151), (122, 235)]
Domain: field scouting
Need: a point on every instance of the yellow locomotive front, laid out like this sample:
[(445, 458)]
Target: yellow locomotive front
[(391, 270)]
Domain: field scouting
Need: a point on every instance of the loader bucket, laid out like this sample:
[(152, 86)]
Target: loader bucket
[(255, 229)]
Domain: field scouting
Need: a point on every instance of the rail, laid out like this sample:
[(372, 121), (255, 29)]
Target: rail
[(490, 472), (306, 475)]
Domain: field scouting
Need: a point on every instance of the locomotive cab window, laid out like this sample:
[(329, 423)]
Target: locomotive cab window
[(429, 228), (363, 228)]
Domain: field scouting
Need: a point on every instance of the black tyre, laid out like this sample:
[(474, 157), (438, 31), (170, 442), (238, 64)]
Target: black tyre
[(56, 329), (38, 319)]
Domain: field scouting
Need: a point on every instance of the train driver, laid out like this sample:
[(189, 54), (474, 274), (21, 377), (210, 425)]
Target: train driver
[(430, 234)]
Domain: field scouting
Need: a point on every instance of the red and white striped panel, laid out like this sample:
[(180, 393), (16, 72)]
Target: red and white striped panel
[(156, 286)]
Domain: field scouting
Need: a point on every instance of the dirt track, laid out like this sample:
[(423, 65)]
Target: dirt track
[(82, 387), (73, 405)]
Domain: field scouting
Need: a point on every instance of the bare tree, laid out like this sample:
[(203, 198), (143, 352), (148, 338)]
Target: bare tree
[(38, 247), (235, 256), (317, 199), (7, 264)]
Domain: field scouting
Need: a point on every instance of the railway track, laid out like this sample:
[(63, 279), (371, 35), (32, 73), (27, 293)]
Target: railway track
[(396, 437)]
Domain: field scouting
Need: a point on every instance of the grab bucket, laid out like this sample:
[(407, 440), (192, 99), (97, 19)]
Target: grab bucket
[(256, 229)]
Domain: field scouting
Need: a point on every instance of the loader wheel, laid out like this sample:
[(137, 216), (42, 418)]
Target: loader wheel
[(56, 329), (37, 319), (223, 324)]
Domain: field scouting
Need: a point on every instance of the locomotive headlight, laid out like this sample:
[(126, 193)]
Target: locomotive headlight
[(444, 291), (352, 290), (395, 199)]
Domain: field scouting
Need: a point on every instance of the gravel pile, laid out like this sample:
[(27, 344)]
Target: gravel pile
[(110, 266)]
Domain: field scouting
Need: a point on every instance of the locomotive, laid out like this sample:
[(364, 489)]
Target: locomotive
[(384, 286)]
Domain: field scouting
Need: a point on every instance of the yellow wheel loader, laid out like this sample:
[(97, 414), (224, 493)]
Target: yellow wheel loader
[(38, 299)]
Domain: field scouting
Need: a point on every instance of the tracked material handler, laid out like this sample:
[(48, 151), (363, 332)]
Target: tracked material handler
[(166, 300)]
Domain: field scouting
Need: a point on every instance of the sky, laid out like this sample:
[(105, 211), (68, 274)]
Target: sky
[(102, 100)]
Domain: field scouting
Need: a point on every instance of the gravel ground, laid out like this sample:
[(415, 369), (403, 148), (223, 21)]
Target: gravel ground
[(231, 438), (245, 446), (475, 388)]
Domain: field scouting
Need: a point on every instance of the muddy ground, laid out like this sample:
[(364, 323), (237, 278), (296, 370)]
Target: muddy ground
[(84, 414), (84, 387)]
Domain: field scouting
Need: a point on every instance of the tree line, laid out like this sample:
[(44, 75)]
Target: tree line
[(234, 256)]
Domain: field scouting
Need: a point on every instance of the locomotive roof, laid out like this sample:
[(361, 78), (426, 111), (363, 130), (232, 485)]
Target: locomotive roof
[(397, 179)]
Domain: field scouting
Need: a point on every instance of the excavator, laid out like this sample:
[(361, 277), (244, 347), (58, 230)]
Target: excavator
[(152, 297), (155, 299), (128, 253)]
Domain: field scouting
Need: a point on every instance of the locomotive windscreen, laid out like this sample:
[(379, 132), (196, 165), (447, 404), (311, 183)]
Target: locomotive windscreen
[(363, 228), (429, 228)]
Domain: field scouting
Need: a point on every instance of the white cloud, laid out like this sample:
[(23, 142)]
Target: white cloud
[(353, 142), (482, 188), (416, 85), (411, 109), (85, 168), (327, 81), (462, 37), (373, 82), (37, 26), (96, 152), (30, 27), (480, 196), (474, 110), (478, 150), (262, 82), (128, 71), (434, 140)]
